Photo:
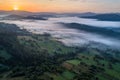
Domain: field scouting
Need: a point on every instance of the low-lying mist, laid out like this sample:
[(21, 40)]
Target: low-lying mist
[(69, 36)]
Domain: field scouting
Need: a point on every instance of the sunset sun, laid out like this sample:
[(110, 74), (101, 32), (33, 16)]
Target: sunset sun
[(15, 8)]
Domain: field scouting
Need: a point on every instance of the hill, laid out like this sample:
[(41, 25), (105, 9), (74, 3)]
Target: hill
[(97, 30), (105, 17)]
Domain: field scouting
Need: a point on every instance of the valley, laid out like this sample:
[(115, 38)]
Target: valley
[(28, 56)]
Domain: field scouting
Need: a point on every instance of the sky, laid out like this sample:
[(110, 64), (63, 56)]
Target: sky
[(61, 5)]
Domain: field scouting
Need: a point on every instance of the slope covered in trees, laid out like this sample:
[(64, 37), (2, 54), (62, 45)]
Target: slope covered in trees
[(27, 56)]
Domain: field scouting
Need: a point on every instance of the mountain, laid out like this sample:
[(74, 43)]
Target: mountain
[(25, 13), (112, 33), (80, 14), (18, 17), (11, 17), (35, 17), (15, 12), (105, 17)]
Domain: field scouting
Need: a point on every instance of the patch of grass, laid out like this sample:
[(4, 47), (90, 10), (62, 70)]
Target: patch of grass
[(74, 61), (113, 73), (68, 75)]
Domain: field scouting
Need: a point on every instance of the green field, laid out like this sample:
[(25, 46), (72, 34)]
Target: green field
[(74, 61), (68, 75)]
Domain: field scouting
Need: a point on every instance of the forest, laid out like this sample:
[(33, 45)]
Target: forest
[(28, 56)]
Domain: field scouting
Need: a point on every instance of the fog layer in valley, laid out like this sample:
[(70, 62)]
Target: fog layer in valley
[(70, 37)]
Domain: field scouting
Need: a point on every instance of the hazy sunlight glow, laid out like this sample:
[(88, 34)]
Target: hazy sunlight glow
[(61, 5), (15, 8)]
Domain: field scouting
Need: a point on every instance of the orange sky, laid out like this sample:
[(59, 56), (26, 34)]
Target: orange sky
[(62, 5)]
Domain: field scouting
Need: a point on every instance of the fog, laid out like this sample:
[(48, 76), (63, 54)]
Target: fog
[(91, 22), (70, 37)]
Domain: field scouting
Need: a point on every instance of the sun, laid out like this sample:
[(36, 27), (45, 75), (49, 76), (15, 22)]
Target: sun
[(15, 8)]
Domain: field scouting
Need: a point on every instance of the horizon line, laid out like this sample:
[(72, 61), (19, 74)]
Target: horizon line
[(58, 12)]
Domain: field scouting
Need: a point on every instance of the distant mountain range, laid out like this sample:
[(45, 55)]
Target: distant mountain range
[(24, 13), (17, 17), (40, 15), (105, 17), (15, 12), (80, 14)]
